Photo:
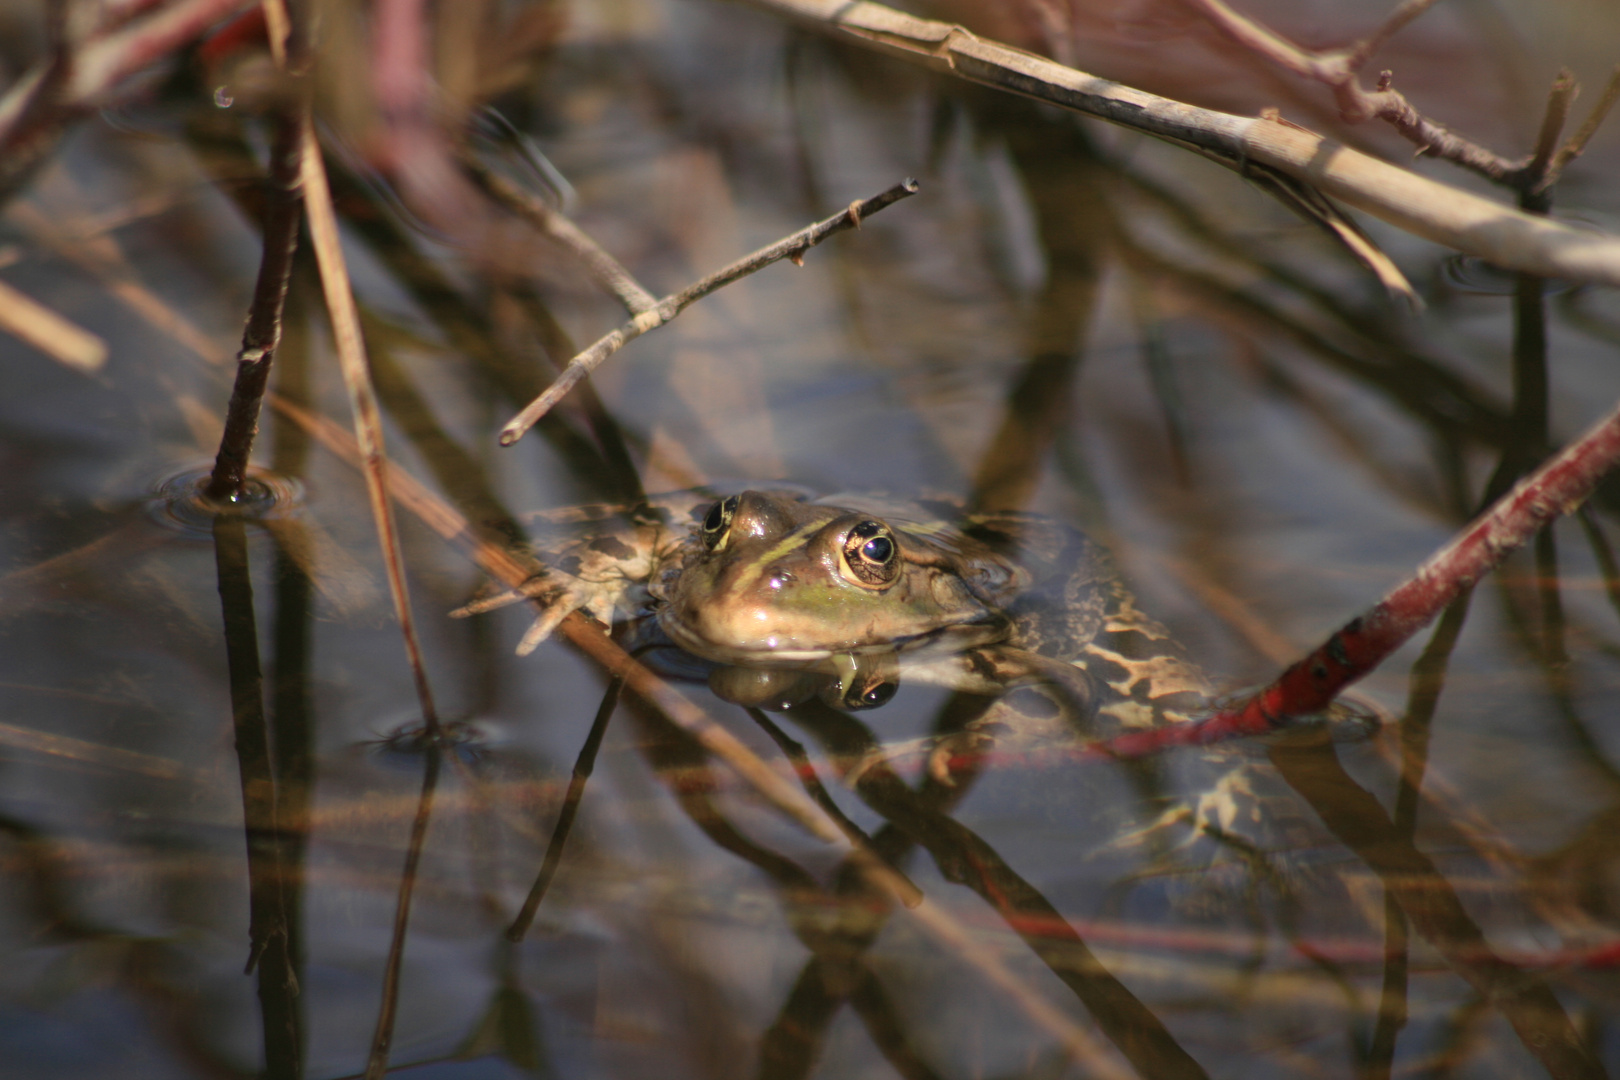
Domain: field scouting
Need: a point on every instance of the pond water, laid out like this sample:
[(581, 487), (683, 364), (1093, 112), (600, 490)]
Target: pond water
[(1067, 319)]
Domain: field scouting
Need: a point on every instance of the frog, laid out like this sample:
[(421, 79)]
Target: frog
[(777, 589), (777, 595)]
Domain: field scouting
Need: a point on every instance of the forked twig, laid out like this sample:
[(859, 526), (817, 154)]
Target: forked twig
[(791, 247), (1575, 145), (1340, 70)]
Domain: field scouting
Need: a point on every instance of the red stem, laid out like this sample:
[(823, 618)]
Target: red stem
[(1557, 488)]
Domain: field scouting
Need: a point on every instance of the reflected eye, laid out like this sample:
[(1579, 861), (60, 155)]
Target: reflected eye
[(871, 554), (870, 697), (717, 521)]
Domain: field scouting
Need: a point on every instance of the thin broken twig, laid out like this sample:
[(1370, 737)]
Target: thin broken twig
[(791, 247)]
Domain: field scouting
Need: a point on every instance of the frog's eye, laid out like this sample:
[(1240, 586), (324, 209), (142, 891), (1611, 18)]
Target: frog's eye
[(717, 521), (871, 553)]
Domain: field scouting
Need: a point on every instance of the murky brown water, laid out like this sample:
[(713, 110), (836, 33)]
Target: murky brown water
[(1068, 319)]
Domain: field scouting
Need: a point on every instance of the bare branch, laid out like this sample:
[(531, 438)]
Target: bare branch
[(1447, 215), (1557, 488), (1577, 142), (284, 213), (791, 247), (1339, 69)]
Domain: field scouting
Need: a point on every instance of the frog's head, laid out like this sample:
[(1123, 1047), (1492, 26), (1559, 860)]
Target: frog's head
[(774, 579)]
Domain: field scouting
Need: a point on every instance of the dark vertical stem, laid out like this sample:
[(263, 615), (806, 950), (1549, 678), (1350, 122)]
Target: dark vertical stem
[(383, 1038), (1063, 181), (583, 766), (1428, 679), (283, 212), (268, 933), (1530, 386), (292, 757), (291, 707)]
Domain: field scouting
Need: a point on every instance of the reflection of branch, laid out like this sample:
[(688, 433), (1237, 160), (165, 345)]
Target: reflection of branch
[(967, 858), (1437, 211), (792, 247), (383, 1037), (608, 271), (584, 764), (1436, 912)]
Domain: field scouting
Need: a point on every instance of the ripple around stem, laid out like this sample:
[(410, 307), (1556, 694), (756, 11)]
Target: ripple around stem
[(179, 501), (1473, 275)]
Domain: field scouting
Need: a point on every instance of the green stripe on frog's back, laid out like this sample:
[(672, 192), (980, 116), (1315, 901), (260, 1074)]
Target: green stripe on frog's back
[(786, 545)]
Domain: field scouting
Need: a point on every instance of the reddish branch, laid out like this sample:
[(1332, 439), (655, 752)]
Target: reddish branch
[(83, 75), (1555, 489), (1340, 70)]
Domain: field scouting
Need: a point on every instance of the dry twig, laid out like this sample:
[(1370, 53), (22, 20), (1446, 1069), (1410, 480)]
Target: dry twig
[(49, 332), (791, 247), (351, 352), (608, 271), (1340, 70), (284, 202)]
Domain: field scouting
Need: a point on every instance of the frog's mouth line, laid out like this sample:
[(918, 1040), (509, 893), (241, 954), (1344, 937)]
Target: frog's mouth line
[(942, 640)]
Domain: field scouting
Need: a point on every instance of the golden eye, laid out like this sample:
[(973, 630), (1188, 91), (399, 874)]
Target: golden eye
[(717, 521), (871, 553)]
